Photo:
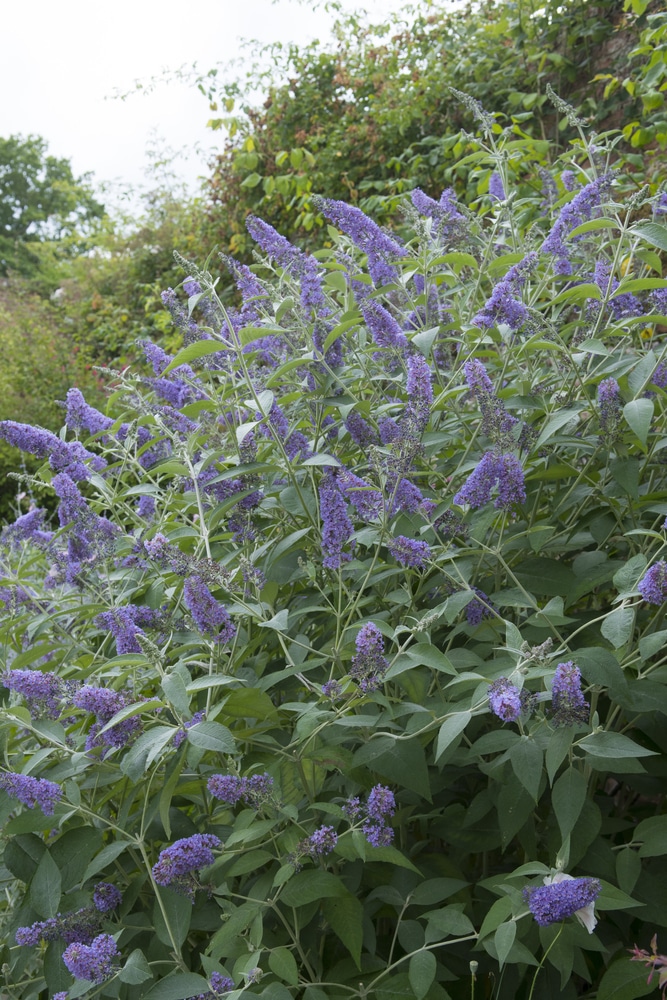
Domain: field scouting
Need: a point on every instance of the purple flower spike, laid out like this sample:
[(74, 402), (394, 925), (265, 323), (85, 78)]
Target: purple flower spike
[(381, 803), (210, 617), (322, 841), (552, 903), (32, 791), (505, 700), (386, 331), (369, 665), (82, 417), (568, 702), (409, 551), (479, 608), (68, 457), (609, 402), (177, 864), (336, 525), (653, 585), (106, 897), (419, 389), (579, 210), (378, 245), (290, 258), (226, 787), (94, 961), (505, 472), (42, 691), (496, 189)]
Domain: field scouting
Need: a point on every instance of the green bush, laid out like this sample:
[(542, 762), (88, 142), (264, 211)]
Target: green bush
[(343, 672)]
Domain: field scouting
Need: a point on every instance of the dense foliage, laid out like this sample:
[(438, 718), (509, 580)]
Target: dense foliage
[(342, 672), (372, 116)]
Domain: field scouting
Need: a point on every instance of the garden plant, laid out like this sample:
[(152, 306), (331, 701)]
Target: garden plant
[(340, 671)]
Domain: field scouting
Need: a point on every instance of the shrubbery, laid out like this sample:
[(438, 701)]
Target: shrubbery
[(342, 672)]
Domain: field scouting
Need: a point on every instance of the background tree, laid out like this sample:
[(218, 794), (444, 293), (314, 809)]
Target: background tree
[(40, 200)]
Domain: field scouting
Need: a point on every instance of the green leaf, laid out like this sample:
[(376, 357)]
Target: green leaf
[(567, 798), (283, 964), (627, 577), (540, 575), (618, 626), (557, 750), (425, 339), (212, 736), (625, 980), (503, 939), (450, 730), (178, 987), (628, 869), (144, 751), (593, 226), (638, 414), (23, 854), (307, 886), (105, 857), (555, 423), (131, 710), (176, 693), (612, 898), (321, 458), (577, 293), (251, 181), (45, 887), (434, 890), (526, 760), (515, 805), (136, 970), (498, 911), (651, 833), (653, 233), (626, 473), (178, 911), (614, 745), (72, 851), (639, 284), (279, 622), (421, 972), (337, 281), (345, 916), (198, 349), (400, 761), (447, 922)]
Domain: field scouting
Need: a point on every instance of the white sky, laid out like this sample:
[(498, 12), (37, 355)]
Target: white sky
[(63, 60)]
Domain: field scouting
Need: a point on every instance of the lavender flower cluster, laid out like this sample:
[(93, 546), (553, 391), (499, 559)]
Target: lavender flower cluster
[(255, 790), (93, 961), (552, 903), (176, 865), (42, 691), (80, 925), (502, 473), (568, 704), (32, 791), (103, 703), (375, 814), (653, 585), (210, 616), (369, 665)]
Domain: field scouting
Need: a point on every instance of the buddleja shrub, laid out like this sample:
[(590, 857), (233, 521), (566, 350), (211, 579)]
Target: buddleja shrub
[(342, 673)]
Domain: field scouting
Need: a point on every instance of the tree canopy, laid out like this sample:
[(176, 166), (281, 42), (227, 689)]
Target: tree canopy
[(40, 199)]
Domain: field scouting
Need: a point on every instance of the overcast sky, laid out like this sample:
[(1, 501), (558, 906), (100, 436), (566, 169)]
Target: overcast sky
[(63, 60)]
